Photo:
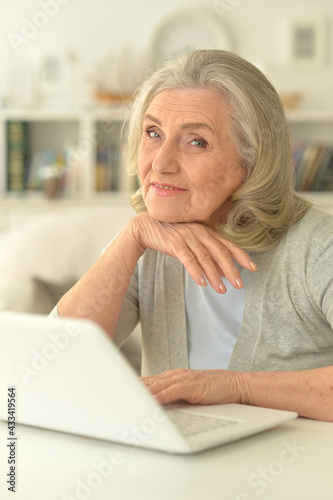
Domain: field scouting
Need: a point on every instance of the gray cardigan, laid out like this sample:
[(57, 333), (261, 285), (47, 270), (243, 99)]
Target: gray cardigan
[(288, 314)]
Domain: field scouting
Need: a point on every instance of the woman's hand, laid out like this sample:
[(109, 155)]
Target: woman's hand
[(204, 387), (202, 251)]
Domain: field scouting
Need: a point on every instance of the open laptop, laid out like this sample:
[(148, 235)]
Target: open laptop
[(69, 376)]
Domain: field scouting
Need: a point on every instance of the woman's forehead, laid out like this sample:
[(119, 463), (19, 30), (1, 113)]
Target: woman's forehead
[(200, 104)]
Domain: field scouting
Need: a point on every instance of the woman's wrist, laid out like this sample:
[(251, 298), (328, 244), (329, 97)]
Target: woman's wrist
[(135, 228), (239, 387), (128, 243)]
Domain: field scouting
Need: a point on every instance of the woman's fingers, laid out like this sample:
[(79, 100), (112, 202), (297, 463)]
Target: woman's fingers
[(195, 386), (239, 255), (174, 385), (214, 256), (204, 264)]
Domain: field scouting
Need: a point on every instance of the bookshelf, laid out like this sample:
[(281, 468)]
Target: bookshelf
[(92, 135), (81, 135), (312, 135)]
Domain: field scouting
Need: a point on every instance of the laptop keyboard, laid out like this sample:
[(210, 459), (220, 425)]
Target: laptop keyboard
[(190, 424)]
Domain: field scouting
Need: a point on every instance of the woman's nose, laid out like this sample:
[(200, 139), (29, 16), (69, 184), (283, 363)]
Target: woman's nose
[(166, 160)]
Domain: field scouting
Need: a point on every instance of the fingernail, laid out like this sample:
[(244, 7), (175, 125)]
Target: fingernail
[(222, 288), (203, 282), (252, 265), (239, 283)]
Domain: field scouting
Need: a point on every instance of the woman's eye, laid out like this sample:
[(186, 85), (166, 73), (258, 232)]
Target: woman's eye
[(199, 142), (152, 134)]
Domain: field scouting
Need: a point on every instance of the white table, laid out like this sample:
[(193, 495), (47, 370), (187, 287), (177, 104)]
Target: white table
[(291, 462)]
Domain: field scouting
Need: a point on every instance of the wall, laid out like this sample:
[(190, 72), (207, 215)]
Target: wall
[(93, 28)]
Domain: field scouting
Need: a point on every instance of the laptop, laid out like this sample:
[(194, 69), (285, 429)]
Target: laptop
[(67, 375)]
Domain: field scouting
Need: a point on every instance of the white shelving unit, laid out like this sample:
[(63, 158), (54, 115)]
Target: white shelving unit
[(311, 116), (312, 125), (53, 128)]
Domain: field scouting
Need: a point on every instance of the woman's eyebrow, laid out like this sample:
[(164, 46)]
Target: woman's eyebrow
[(184, 125), (153, 118), (196, 125)]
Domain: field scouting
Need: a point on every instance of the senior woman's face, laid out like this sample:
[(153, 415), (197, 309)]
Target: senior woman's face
[(188, 164)]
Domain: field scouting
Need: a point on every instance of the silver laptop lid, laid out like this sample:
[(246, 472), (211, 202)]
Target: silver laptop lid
[(69, 376)]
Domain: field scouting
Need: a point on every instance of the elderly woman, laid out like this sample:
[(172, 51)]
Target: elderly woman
[(208, 139)]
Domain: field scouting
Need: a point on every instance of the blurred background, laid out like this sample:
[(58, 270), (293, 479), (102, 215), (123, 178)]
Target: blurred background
[(68, 69), (90, 36)]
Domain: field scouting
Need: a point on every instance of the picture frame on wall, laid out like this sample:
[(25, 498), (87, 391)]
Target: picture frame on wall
[(307, 43)]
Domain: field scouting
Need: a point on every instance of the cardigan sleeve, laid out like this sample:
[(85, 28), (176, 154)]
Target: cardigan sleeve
[(129, 313), (320, 278)]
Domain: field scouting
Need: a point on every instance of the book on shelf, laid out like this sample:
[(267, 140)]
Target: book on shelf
[(313, 166), (17, 155), (107, 168)]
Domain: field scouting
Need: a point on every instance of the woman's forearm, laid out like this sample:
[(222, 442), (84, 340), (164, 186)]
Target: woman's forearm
[(307, 392), (99, 294)]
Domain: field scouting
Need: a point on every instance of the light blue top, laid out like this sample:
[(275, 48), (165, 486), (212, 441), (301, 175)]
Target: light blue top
[(213, 322)]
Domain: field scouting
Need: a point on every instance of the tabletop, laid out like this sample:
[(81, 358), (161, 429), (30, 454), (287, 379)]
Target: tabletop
[(290, 462)]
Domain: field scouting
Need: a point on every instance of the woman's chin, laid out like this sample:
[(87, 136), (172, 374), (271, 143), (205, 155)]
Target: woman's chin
[(163, 216)]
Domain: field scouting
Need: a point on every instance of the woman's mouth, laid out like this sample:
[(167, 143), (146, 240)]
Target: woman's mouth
[(166, 189)]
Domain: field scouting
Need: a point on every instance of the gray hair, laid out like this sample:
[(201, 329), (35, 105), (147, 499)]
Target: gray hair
[(265, 205)]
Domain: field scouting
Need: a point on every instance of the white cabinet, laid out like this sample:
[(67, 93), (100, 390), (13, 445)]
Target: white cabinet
[(82, 133)]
